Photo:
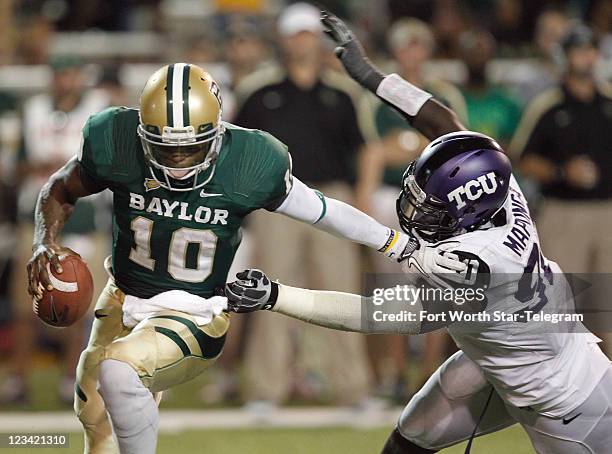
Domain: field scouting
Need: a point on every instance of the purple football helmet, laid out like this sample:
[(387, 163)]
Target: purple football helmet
[(457, 184)]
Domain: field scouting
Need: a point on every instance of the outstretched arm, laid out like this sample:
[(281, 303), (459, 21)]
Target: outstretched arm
[(341, 219), (336, 310), (344, 311), (424, 113)]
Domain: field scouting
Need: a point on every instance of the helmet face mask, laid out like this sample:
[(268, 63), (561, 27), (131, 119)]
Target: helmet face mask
[(181, 134), (197, 155), (178, 157), (424, 214)]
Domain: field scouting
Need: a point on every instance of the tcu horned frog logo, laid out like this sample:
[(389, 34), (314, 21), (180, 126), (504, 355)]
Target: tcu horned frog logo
[(473, 189)]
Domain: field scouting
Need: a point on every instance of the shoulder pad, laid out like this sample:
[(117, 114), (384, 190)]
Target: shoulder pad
[(260, 170), (111, 147)]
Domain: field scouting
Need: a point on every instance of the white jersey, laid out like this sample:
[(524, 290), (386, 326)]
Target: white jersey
[(547, 366), (53, 137)]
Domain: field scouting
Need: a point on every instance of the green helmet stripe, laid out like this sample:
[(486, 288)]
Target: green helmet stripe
[(169, 78), (186, 95)]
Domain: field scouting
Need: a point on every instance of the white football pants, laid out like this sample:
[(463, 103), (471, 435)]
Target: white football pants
[(446, 410)]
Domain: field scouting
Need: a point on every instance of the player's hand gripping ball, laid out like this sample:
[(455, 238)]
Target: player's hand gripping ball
[(61, 284)]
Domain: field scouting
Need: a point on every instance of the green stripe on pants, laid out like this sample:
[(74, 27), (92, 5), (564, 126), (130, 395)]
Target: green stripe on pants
[(175, 338), (210, 346)]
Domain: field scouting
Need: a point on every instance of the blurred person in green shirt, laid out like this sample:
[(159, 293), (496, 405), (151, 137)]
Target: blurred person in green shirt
[(491, 110)]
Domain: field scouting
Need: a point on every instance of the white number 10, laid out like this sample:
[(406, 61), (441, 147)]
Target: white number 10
[(177, 253)]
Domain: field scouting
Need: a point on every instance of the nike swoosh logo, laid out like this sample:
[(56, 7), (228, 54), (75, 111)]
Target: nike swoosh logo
[(413, 262), (98, 314), (54, 317), (206, 194), (566, 421)]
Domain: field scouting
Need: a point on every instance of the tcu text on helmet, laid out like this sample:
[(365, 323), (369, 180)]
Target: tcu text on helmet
[(473, 189)]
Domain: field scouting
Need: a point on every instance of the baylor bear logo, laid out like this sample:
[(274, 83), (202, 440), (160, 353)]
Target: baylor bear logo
[(151, 184)]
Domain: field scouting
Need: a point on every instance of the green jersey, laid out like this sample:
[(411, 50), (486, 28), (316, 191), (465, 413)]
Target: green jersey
[(169, 240), (493, 112)]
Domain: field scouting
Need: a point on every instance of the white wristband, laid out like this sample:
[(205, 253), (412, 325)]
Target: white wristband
[(402, 94), (395, 245)]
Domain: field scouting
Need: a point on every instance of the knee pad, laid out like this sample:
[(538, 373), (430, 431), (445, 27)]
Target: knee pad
[(131, 407), (417, 422), (125, 395), (116, 378)]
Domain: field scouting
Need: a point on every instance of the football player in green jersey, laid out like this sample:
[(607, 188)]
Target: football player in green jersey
[(182, 182)]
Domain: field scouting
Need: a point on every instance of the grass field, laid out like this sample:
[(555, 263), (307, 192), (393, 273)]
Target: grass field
[(249, 440), (315, 441)]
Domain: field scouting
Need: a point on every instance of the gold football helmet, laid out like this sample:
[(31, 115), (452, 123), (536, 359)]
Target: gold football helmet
[(180, 126)]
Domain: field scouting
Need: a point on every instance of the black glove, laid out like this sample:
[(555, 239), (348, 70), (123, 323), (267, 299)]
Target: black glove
[(252, 291), (351, 53)]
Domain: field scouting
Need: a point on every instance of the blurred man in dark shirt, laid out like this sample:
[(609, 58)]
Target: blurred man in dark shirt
[(309, 109), (565, 139)]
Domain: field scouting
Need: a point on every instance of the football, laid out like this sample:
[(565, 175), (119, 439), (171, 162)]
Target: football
[(71, 295)]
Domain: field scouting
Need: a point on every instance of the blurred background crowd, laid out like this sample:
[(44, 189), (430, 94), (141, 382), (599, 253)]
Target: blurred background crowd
[(533, 74)]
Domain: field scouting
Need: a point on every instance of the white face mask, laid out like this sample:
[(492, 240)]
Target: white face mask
[(164, 174)]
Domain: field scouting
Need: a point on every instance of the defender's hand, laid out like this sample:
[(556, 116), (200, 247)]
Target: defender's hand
[(435, 259), (43, 256), (436, 262), (252, 291), (337, 30), (351, 53)]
